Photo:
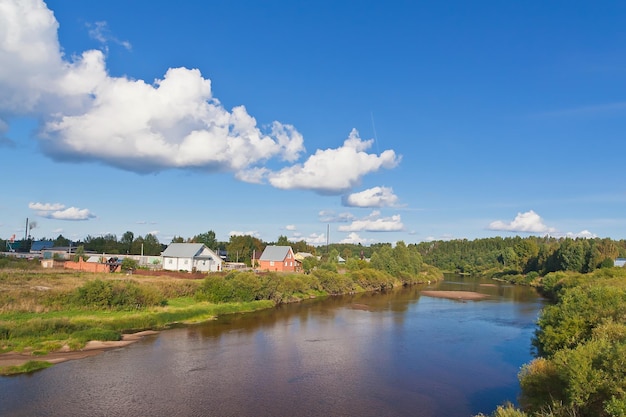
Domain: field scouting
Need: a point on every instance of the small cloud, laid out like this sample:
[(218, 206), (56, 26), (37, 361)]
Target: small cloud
[(373, 197), (355, 239), (375, 223), (57, 211), (329, 216), (252, 233), (70, 213), (290, 227), (529, 222), (154, 232), (100, 32), (585, 234), (315, 239), (46, 206)]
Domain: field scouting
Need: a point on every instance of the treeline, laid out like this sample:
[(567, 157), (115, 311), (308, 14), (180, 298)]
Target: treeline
[(581, 348), (541, 255)]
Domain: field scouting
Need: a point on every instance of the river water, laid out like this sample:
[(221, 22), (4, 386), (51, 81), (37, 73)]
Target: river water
[(397, 353)]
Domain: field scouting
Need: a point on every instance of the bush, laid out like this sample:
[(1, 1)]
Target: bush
[(117, 295)]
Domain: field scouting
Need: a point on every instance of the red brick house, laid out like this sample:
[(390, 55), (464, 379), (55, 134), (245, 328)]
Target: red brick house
[(277, 258)]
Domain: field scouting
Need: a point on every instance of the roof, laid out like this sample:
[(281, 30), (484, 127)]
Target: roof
[(41, 245), (275, 253), (301, 255), (183, 250)]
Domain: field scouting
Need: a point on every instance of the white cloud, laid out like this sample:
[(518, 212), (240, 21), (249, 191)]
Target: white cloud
[(58, 211), (334, 171), (46, 206), (314, 239), (290, 227), (373, 197), (170, 123), (375, 223), (174, 122), (585, 234), (355, 239), (70, 213), (529, 222), (100, 32), (252, 233)]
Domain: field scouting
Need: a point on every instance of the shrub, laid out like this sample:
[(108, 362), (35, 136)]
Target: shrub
[(117, 294)]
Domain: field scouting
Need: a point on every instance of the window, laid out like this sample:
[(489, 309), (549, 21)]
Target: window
[(271, 263)]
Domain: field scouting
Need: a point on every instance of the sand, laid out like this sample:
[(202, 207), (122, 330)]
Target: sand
[(92, 348), (455, 295)]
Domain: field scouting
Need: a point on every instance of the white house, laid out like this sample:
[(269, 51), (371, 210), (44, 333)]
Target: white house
[(191, 257)]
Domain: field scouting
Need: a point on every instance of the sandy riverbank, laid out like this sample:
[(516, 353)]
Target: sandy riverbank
[(455, 295), (92, 348)]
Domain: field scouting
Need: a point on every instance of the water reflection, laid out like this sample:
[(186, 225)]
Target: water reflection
[(392, 354)]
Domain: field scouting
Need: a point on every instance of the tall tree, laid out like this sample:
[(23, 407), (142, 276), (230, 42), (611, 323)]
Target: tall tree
[(283, 241), (207, 238), (151, 245), (126, 242), (61, 241), (241, 247)]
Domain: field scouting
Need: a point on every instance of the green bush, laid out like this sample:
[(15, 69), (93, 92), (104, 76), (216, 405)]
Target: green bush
[(372, 279), (117, 295), (334, 283)]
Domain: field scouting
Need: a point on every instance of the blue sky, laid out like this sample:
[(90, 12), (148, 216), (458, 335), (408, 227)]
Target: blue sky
[(373, 121)]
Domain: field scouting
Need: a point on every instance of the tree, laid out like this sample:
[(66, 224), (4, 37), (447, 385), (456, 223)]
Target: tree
[(126, 242), (80, 254), (241, 247), (283, 241), (207, 238), (151, 245), (137, 245), (61, 241)]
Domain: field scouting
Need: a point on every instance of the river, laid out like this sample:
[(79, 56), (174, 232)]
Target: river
[(396, 353)]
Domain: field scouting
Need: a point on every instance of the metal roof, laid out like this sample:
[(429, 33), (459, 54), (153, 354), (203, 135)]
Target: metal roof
[(183, 250), (275, 253)]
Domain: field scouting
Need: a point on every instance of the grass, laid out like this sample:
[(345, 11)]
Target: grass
[(36, 314), (28, 367)]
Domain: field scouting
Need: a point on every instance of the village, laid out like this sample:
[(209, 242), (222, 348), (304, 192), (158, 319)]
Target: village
[(177, 257)]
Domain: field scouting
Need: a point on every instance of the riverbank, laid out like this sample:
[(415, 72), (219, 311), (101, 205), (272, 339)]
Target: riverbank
[(13, 360), (51, 317)]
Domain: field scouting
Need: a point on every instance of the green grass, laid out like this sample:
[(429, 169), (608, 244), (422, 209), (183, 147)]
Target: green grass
[(45, 332), (30, 366)]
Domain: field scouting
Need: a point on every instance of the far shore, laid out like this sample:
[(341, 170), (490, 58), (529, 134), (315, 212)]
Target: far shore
[(92, 348), (455, 295)]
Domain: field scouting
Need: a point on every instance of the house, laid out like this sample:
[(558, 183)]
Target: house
[(619, 262), (191, 257), (277, 258)]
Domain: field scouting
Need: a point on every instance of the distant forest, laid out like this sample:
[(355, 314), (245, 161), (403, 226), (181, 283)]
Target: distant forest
[(511, 255)]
